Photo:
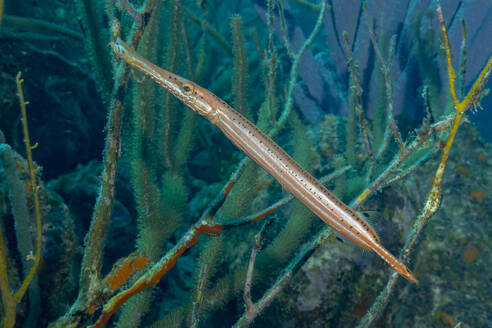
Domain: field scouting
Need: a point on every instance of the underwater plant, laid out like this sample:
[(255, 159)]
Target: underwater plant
[(186, 180)]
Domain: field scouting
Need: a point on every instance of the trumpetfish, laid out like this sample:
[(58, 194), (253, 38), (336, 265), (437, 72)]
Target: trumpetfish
[(266, 153)]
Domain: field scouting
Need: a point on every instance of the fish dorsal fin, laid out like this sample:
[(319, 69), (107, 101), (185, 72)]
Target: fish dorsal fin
[(369, 227)]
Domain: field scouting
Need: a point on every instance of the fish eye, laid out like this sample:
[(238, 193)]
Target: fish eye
[(187, 88)]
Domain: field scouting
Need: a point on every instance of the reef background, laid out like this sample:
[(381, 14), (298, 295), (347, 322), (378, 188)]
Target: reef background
[(173, 163)]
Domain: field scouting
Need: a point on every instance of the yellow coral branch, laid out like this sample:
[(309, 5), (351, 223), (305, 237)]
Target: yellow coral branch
[(1, 12), (447, 48), (18, 295), (471, 99), (9, 299)]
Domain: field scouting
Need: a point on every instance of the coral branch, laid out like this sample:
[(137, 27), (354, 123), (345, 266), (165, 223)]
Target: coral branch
[(34, 189), (272, 62), (137, 16), (253, 310), (388, 86), (307, 5), (195, 318), (39, 28), (400, 158), (463, 57), (357, 90), (447, 48), (283, 26), (9, 298), (122, 272), (206, 27), (1, 12), (289, 102), (154, 274)]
